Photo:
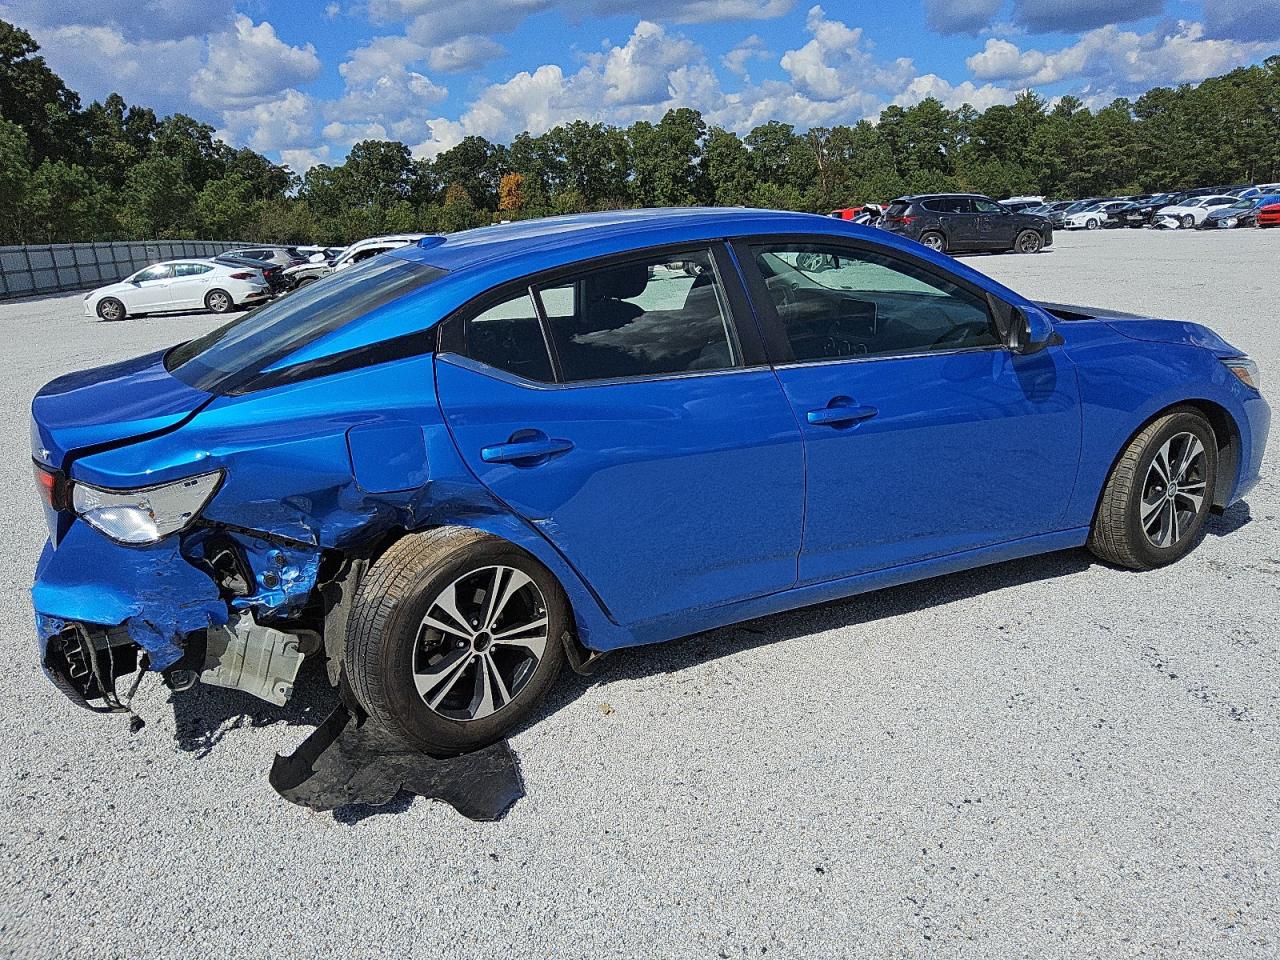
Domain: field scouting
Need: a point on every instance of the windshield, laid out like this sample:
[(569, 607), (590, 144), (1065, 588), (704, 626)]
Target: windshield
[(1079, 205), (235, 353)]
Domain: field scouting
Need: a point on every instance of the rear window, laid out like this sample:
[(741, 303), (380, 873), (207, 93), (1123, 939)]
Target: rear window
[(898, 208), (234, 354)]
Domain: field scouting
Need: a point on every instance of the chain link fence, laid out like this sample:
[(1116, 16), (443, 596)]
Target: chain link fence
[(50, 268)]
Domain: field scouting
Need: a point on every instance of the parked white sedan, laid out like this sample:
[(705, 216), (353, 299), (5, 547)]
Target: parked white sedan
[(1191, 213), (179, 285)]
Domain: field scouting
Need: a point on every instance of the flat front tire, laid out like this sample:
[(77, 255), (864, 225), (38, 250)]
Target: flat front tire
[(454, 638), (1157, 498)]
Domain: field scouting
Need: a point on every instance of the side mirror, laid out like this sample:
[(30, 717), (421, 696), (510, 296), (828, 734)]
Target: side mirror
[(1028, 331)]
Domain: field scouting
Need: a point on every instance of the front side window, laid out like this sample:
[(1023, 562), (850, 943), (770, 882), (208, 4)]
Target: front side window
[(508, 336), (234, 354), (642, 318), (161, 271), (836, 303), (988, 206)]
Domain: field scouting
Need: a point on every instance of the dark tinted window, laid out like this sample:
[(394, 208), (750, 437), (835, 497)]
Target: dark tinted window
[(947, 205), (641, 318), (508, 336), (987, 206), (234, 354), (836, 303)]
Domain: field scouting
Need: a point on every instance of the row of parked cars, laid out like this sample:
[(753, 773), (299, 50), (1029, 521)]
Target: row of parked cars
[(1208, 208), (232, 280)]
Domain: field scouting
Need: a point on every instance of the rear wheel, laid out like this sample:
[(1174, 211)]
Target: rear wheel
[(1155, 503), (934, 241), (109, 308), (1028, 241), (218, 301), (454, 638)]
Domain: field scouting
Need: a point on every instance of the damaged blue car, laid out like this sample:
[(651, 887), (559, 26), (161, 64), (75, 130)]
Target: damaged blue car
[(456, 468)]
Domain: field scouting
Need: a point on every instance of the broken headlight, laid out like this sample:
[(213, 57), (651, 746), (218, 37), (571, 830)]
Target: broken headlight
[(147, 514)]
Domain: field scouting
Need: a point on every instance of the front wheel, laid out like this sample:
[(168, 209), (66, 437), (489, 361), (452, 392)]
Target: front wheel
[(1188, 221), (454, 638), (1154, 506), (1028, 241), (218, 301), (109, 308), (1093, 224)]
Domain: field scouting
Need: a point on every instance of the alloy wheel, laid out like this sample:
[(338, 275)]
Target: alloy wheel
[(480, 642), (933, 241), (219, 302), (1030, 243), (110, 310), (1174, 490)]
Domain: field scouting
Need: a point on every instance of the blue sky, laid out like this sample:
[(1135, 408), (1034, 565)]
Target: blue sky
[(302, 81)]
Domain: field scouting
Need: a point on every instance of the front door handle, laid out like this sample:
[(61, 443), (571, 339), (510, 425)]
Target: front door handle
[(837, 416), (523, 449)]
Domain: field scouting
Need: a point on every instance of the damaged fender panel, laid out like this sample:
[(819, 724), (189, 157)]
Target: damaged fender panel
[(152, 590)]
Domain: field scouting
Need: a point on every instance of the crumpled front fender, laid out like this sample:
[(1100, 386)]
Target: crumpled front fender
[(152, 590)]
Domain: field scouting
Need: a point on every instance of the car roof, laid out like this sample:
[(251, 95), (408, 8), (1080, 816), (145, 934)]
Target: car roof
[(572, 237)]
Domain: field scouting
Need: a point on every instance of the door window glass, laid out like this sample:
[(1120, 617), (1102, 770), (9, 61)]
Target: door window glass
[(191, 269), (161, 271), (988, 206), (836, 303), (508, 336), (642, 318)]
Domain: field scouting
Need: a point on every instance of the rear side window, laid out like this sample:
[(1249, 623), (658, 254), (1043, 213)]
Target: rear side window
[(641, 318), (191, 269), (508, 336)]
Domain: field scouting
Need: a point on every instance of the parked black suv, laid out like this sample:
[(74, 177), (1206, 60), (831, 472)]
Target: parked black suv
[(956, 222)]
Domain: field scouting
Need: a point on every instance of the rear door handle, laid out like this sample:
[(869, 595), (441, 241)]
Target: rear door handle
[(840, 415), (525, 449)]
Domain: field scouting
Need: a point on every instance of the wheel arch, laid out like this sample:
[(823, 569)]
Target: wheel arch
[(1225, 430)]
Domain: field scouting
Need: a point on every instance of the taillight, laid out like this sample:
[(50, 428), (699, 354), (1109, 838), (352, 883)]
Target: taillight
[(902, 220), (53, 486), (242, 276)]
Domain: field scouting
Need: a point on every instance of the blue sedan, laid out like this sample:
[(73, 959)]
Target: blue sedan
[(456, 468)]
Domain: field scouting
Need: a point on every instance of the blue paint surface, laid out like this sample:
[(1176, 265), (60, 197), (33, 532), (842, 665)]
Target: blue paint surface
[(675, 504)]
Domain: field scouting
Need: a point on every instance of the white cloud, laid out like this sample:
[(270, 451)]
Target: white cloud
[(287, 123), (469, 52), (1118, 61), (953, 96), (251, 64), (837, 62), (736, 60)]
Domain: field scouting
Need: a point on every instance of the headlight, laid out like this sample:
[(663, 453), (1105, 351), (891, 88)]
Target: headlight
[(1232, 221), (147, 514), (1246, 371)]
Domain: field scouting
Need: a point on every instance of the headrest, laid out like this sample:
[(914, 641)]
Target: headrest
[(617, 283)]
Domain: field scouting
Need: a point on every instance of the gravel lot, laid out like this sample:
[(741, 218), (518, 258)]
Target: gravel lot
[(1046, 758)]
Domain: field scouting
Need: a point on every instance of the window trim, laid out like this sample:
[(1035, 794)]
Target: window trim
[(774, 334), (745, 338)]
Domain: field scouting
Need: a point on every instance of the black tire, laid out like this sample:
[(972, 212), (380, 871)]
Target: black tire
[(387, 617), (934, 241), (1028, 241), (111, 309), (1118, 535), (1188, 221), (219, 301), (1092, 224)]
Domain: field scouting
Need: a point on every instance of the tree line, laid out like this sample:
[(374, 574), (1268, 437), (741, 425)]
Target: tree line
[(116, 171)]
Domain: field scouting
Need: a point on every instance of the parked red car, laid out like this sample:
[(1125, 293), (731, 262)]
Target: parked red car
[(1269, 216), (846, 213)]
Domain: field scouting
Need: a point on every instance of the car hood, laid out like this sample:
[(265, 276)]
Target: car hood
[(1137, 327), (104, 406)]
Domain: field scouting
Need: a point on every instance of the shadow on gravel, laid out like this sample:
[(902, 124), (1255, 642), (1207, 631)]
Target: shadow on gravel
[(204, 715), (702, 648), (1232, 519)]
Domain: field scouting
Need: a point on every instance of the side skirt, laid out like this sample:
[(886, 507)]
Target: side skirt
[(696, 621)]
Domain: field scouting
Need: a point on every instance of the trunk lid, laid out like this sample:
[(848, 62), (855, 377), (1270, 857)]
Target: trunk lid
[(104, 406)]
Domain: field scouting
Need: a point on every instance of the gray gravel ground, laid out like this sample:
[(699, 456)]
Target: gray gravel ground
[(1043, 759)]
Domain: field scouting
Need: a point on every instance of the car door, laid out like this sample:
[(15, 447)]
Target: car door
[(189, 286), (924, 436), (626, 411), (961, 222), (151, 288), (994, 224)]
